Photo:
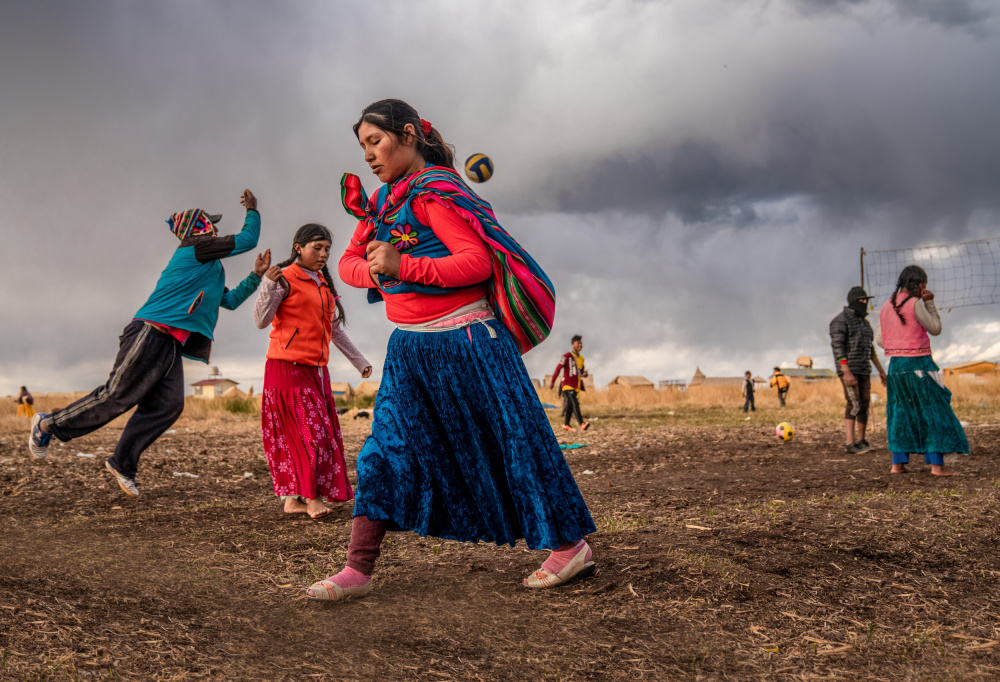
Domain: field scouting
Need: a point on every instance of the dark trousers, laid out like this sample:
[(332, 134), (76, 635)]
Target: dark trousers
[(748, 403), (858, 397), (147, 374), (782, 392), (571, 407)]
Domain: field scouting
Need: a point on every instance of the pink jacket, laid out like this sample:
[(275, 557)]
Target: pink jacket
[(903, 340)]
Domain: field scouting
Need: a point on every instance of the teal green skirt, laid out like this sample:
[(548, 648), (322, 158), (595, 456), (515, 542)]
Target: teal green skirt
[(918, 411)]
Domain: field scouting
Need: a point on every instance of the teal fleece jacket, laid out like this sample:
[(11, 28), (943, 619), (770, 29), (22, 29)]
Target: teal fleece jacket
[(193, 286)]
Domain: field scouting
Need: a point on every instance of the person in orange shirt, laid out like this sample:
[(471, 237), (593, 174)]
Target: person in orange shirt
[(573, 373), (780, 382), (298, 417)]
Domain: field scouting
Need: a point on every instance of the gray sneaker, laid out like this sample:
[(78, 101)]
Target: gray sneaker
[(863, 446), (38, 440), (126, 484), (853, 449)]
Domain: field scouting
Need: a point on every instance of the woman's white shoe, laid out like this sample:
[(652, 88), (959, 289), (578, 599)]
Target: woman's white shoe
[(578, 567), (327, 590)]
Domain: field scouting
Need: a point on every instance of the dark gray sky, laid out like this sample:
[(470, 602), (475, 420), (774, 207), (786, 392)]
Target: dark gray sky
[(697, 177)]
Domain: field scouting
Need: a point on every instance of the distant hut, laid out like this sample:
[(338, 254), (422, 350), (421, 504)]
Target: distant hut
[(700, 380), (975, 371), (537, 383), (808, 374), (342, 389), (804, 361), (233, 392), (632, 385), (214, 386), (366, 388)]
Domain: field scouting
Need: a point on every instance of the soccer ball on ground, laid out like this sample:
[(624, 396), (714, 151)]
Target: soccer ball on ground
[(784, 431), (479, 168)]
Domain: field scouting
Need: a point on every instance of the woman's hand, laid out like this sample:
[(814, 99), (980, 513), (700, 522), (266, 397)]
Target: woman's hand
[(883, 378), (366, 372), (249, 200), (383, 259), (927, 295), (262, 263), (273, 273)]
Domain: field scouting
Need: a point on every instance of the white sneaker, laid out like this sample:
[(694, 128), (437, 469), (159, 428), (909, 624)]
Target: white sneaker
[(38, 440), (126, 484)]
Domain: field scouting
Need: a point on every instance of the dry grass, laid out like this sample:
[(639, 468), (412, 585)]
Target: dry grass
[(817, 393), (968, 397)]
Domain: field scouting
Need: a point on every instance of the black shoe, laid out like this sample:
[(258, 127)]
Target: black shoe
[(853, 449), (863, 446)]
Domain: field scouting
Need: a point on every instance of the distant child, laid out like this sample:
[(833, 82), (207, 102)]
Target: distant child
[(573, 373), (298, 417), (780, 382), (178, 319), (851, 338), (918, 412), (25, 404), (748, 405)]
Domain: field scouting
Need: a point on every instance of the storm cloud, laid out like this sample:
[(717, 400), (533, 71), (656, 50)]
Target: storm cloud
[(697, 177)]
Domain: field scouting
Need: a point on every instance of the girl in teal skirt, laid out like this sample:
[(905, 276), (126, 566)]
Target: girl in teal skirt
[(919, 417)]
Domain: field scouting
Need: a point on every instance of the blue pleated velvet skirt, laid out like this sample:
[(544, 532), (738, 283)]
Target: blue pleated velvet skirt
[(461, 447), (918, 411)]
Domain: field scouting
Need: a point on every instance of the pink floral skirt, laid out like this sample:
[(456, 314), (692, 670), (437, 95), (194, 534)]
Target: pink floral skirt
[(301, 433)]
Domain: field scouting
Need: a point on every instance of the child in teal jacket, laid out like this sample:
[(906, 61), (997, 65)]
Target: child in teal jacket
[(178, 319)]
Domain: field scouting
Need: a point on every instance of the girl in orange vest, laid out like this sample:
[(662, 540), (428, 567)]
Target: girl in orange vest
[(298, 416)]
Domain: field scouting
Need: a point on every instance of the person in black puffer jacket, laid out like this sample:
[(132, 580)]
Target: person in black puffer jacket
[(851, 338)]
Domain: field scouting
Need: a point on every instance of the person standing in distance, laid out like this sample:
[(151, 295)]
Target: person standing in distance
[(851, 339), (573, 373), (780, 382)]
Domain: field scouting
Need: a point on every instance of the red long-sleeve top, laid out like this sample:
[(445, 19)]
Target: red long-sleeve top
[(469, 264)]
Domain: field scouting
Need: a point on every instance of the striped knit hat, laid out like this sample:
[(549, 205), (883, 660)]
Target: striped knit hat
[(193, 221)]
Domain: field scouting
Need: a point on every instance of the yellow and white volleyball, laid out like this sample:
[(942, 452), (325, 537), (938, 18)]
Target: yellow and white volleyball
[(784, 431), (479, 168)]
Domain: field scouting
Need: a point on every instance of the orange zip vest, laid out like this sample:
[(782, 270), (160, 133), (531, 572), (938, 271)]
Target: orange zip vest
[(303, 325)]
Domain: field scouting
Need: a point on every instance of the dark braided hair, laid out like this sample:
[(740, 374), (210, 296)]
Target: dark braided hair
[(392, 115), (312, 232), (909, 281)]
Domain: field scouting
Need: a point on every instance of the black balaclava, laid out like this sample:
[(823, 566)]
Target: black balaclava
[(854, 302)]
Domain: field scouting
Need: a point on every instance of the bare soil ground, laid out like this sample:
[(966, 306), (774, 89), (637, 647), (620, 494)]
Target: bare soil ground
[(722, 554)]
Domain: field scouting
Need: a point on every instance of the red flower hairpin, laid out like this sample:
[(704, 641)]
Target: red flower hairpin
[(425, 127)]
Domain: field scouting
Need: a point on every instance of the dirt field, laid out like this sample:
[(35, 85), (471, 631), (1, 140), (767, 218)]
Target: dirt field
[(722, 554)]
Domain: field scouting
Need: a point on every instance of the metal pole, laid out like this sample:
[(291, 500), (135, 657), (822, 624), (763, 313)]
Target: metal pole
[(862, 267)]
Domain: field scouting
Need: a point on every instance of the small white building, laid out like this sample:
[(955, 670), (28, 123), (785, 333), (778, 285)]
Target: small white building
[(214, 386)]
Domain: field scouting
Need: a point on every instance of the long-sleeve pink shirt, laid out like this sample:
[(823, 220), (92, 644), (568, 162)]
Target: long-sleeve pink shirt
[(468, 265)]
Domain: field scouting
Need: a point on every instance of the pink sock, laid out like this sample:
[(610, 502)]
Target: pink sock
[(560, 557), (348, 577)]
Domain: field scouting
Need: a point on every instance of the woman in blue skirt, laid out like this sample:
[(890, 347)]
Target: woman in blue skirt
[(461, 447), (919, 417)]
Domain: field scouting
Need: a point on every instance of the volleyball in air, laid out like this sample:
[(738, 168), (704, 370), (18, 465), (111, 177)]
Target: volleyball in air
[(479, 168), (784, 431)]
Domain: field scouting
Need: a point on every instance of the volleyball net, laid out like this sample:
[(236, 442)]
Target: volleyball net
[(960, 275)]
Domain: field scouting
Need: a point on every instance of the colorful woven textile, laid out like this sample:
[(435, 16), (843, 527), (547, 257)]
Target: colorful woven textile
[(521, 294), (190, 222)]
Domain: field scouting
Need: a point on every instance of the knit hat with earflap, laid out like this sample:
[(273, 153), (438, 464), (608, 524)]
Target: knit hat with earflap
[(192, 222)]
